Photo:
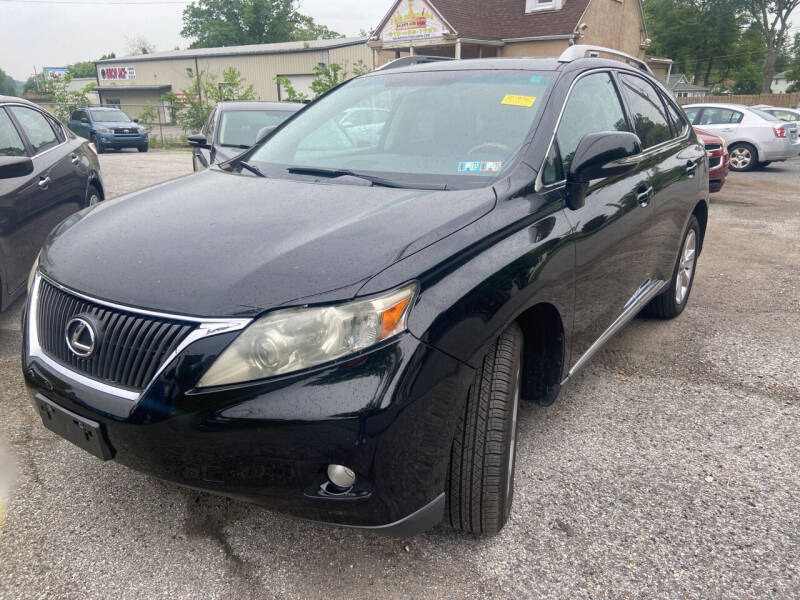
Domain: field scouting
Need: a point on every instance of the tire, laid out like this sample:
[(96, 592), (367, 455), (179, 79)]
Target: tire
[(97, 144), (743, 157), (480, 486), (670, 303), (143, 148), (93, 195)]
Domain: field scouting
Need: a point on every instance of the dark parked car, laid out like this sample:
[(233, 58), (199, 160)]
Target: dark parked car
[(109, 128), (233, 127), (345, 332), (46, 174)]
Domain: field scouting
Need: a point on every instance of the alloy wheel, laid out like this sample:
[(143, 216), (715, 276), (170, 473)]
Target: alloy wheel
[(686, 267), (740, 158)]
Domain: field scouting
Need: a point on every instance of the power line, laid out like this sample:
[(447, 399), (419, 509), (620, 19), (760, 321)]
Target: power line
[(103, 3)]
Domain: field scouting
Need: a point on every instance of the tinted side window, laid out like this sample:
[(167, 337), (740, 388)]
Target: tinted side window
[(10, 142), (592, 106), (679, 123), (76, 116), (36, 127), (647, 110), (57, 128)]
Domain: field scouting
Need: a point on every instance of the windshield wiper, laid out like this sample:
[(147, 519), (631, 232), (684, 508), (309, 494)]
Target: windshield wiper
[(251, 168), (378, 181), (242, 146)]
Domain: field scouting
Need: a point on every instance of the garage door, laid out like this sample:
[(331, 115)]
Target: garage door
[(301, 84)]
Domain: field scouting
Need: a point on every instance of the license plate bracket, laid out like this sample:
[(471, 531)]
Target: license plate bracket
[(82, 432)]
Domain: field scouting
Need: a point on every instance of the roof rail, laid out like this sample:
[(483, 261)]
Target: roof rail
[(407, 61), (580, 51)]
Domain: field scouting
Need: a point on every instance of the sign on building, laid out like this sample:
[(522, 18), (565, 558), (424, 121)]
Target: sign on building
[(413, 20), (117, 73), (51, 73)]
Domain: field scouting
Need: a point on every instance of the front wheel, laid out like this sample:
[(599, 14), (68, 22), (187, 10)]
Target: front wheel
[(671, 302), (743, 157), (143, 148), (480, 485)]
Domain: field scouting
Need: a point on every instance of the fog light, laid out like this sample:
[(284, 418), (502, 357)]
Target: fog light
[(341, 476)]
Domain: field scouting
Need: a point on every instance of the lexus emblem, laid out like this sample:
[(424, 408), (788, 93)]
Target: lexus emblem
[(81, 337)]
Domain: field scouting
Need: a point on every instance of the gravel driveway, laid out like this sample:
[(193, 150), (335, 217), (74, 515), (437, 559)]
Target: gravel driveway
[(667, 469)]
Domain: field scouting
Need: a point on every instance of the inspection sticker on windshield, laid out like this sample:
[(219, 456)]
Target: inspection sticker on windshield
[(515, 100), (478, 166)]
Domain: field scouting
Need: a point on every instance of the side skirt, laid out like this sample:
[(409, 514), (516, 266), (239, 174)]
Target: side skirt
[(646, 292)]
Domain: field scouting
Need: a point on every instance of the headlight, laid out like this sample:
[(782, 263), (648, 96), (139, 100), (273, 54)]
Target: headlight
[(289, 340), (103, 129), (33, 272)]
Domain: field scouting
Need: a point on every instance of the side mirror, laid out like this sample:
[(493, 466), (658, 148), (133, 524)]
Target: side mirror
[(135, 120), (264, 132), (600, 155), (84, 120), (15, 166), (198, 140)]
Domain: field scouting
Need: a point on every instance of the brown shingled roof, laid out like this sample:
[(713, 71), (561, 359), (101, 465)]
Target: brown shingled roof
[(506, 19)]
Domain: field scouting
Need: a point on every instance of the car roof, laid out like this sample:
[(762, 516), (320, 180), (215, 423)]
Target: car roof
[(249, 105), (8, 99), (521, 64), (717, 105)]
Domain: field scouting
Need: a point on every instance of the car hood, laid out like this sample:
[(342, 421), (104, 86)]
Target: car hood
[(221, 244), (117, 124)]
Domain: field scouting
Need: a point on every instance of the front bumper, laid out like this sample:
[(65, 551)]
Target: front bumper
[(388, 414), (126, 141)]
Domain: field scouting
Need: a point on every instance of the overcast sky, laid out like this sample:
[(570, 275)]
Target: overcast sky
[(55, 33)]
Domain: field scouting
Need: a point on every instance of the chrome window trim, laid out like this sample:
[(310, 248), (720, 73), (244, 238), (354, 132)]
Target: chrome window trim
[(539, 186), (206, 327)]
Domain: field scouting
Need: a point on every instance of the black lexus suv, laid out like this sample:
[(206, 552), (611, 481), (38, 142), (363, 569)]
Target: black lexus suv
[(343, 329)]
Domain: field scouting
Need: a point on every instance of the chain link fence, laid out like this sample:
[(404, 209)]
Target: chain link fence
[(157, 119)]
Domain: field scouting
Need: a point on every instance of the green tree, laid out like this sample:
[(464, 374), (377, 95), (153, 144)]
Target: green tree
[(67, 101), (82, 69), (328, 77), (198, 100), (215, 23), (793, 70), (771, 17), (7, 85), (30, 85)]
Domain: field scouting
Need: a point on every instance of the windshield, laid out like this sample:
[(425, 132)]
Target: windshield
[(453, 128), (240, 127), (110, 116)]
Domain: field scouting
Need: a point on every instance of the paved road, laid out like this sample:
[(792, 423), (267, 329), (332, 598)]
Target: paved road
[(668, 469)]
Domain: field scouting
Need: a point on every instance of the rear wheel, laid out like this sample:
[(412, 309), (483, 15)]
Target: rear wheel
[(98, 146), (743, 157), (671, 302), (481, 478), (93, 195)]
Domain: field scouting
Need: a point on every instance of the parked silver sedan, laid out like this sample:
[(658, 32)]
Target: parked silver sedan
[(754, 138), (790, 115)]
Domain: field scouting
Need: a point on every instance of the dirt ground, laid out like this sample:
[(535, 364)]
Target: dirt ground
[(667, 469)]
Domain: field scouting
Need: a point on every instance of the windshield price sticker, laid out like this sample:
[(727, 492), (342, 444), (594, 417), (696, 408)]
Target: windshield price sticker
[(478, 166), (515, 100)]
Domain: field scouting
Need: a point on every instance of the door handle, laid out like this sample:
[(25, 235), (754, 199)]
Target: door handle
[(691, 167), (643, 195), (44, 182), (75, 159)]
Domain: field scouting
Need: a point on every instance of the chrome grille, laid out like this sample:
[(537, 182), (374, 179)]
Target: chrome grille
[(712, 147), (132, 346), (126, 131)]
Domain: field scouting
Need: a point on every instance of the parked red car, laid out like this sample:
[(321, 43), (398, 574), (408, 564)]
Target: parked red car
[(717, 159)]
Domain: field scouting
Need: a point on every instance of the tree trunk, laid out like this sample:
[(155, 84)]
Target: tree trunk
[(769, 68), (708, 72)]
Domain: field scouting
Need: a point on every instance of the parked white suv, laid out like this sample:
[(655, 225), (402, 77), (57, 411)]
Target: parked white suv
[(754, 138)]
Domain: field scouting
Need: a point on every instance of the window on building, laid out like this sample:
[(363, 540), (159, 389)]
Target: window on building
[(113, 101), (647, 110), (534, 5)]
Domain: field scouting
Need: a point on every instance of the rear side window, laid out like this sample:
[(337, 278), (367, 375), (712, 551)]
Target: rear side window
[(36, 126), (719, 116), (10, 142), (592, 106), (647, 110), (692, 114)]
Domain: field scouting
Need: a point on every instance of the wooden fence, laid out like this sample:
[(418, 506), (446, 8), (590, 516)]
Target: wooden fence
[(784, 100)]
